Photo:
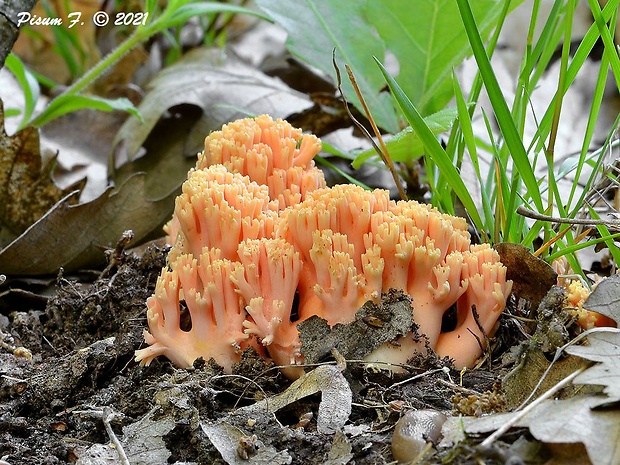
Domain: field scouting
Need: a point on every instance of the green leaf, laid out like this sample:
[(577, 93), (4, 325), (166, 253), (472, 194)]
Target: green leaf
[(427, 38), (406, 145), (316, 27), (67, 103), (428, 41), (10, 112)]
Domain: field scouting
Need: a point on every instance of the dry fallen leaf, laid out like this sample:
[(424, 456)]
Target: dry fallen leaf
[(83, 142), (605, 298), (532, 277), (519, 383), (336, 398), (223, 86), (74, 236), (569, 421), (603, 347), (27, 191), (227, 439), (142, 442), (588, 419), (340, 452)]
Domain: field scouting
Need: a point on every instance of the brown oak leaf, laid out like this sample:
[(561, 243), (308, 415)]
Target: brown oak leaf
[(27, 190)]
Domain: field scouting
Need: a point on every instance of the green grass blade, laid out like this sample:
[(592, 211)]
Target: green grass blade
[(434, 149), (610, 48), (470, 142), (406, 146), (68, 103), (28, 84), (581, 55), (597, 99), (504, 118), (605, 234), (565, 251), (325, 162), (187, 11)]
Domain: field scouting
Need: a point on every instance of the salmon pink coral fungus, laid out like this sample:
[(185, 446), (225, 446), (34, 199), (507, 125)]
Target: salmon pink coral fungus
[(254, 226), (271, 153)]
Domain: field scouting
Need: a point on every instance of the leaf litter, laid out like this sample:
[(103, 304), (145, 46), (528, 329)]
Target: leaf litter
[(333, 414)]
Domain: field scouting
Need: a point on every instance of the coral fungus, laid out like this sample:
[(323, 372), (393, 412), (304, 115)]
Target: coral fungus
[(577, 294), (255, 225), (219, 209), (271, 153), (267, 280), (204, 285)]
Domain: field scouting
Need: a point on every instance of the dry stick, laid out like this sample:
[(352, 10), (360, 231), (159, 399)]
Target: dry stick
[(418, 376), (383, 153), (582, 221), (107, 415), (498, 433), (484, 334)]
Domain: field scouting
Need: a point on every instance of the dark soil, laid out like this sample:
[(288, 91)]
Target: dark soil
[(70, 363)]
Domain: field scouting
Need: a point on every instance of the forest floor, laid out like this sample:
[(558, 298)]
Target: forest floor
[(71, 371)]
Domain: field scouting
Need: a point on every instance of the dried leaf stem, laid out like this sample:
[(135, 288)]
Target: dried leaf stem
[(382, 151)]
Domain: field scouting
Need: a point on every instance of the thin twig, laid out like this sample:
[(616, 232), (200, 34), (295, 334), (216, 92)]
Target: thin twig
[(382, 151), (107, 414), (486, 350), (521, 210), (513, 421), (107, 417), (456, 387), (421, 375)]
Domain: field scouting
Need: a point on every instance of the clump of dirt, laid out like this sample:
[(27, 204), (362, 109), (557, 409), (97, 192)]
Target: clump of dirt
[(81, 370)]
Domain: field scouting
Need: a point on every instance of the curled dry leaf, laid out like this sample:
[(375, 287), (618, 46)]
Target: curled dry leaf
[(605, 298), (335, 406), (223, 86), (531, 277)]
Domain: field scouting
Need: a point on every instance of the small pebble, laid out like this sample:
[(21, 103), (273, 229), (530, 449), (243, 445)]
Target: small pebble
[(413, 431)]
